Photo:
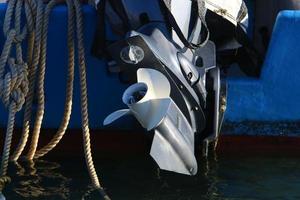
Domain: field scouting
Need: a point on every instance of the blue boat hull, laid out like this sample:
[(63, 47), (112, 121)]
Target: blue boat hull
[(272, 98)]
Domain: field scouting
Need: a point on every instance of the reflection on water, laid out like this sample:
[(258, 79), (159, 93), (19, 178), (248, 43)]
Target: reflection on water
[(40, 179), (225, 177)]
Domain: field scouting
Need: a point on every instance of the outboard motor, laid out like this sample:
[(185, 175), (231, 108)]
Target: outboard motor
[(166, 48)]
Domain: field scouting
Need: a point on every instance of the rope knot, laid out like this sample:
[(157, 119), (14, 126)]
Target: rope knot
[(16, 37), (14, 85), (21, 36)]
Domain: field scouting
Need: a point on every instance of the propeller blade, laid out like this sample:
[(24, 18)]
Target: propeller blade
[(157, 84), (149, 99), (115, 116)]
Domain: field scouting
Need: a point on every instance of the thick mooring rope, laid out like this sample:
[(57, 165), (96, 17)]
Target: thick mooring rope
[(83, 96), (13, 77), (40, 82), (14, 87), (70, 79), (32, 59)]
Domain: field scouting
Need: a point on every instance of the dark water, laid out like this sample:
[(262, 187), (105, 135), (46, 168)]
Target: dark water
[(222, 177)]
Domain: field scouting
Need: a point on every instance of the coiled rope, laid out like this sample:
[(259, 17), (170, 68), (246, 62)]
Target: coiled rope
[(15, 86)]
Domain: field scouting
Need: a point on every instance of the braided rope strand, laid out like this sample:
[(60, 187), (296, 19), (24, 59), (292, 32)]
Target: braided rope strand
[(19, 81), (14, 83), (70, 79), (83, 97), (40, 83), (25, 132), (84, 102), (8, 138), (34, 23)]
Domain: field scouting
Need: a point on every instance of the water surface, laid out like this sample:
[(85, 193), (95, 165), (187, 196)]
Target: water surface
[(137, 178)]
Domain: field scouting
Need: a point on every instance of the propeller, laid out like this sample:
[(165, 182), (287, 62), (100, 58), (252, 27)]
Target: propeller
[(149, 101)]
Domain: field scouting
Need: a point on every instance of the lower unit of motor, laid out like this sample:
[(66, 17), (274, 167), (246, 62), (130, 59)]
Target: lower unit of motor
[(171, 94)]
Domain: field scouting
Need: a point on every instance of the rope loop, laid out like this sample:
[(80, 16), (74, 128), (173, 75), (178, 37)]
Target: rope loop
[(18, 81), (13, 74)]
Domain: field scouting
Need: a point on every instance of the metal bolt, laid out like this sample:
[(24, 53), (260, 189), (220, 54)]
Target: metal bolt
[(223, 108), (190, 75), (223, 100)]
